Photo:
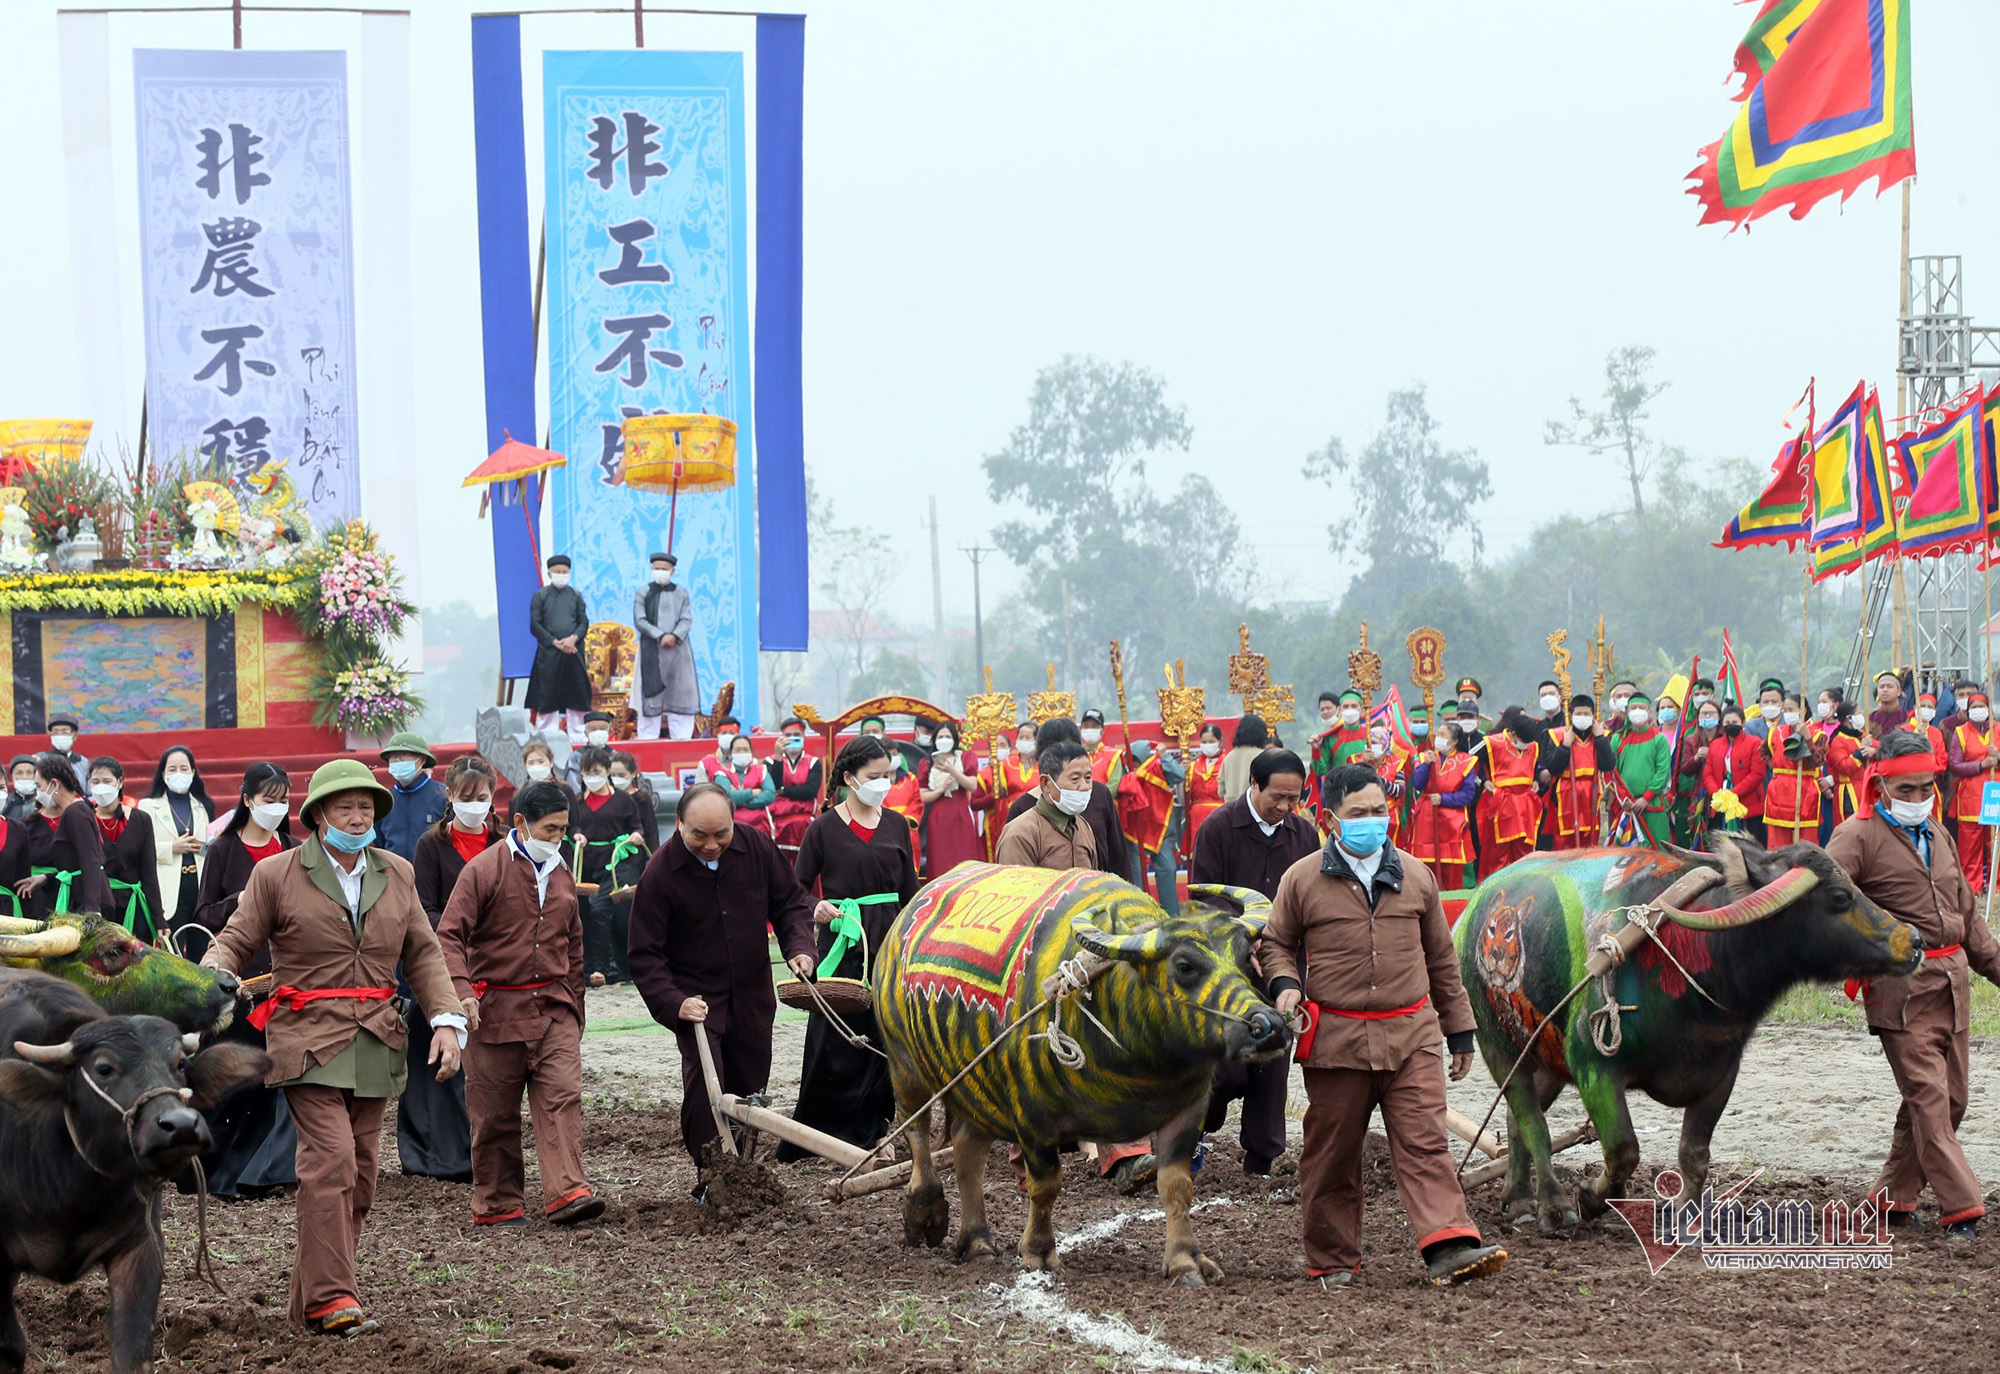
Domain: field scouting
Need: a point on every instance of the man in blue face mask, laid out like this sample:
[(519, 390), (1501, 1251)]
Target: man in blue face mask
[(1358, 944), (420, 801)]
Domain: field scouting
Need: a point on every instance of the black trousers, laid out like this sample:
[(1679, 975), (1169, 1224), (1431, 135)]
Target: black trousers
[(1261, 1088), (433, 1132), (742, 1061), (604, 937)]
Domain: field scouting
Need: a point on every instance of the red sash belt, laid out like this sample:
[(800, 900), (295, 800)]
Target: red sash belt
[(1314, 1010), (295, 999), (1857, 988), (480, 986)]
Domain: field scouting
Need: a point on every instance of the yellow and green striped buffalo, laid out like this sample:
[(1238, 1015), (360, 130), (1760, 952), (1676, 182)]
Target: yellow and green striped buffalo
[(979, 949)]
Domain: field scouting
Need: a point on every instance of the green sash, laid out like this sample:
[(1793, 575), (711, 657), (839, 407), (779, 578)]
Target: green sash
[(63, 877), (847, 930)]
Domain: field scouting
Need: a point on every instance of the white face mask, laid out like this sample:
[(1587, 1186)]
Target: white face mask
[(558, 579), (1091, 734), (621, 781), (472, 815), (1910, 812), (1550, 701), (1821, 710), (723, 743), (1027, 748), (104, 793), (871, 793), (1001, 749), (1791, 717), (270, 815), (1638, 716), (661, 577), (923, 739), (1857, 723), (24, 787), (1979, 715), (541, 851), (1350, 715), (1700, 697), (1582, 720), (61, 743), (946, 745), (1209, 748), (1072, 803), (1926, 714), (596, 782), (741, 762), (180, 781), (1770, 710), (539, 772), (597, 738), (45, 798)]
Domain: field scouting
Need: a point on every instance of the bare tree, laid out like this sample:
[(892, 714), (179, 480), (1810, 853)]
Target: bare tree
[(787, 673), (1619, 427), (858, 565)]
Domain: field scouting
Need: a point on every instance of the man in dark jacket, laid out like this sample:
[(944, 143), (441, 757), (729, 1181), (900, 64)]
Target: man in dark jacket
[(420, 799), (698, 949), (1250, 843), (558, 683)]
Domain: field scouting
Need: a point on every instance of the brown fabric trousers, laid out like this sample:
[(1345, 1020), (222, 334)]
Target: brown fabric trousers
[(1930, 1061), (550, 1071), (340, 1136), (1336, 1127)]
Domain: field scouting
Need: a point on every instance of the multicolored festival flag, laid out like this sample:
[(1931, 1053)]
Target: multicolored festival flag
[(1850, 478), (1780, 514), (1730, 680), (1826, 106), (1949, 471)]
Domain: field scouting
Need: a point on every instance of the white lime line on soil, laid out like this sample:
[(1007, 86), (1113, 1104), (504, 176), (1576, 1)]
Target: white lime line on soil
[(1038, 1297)]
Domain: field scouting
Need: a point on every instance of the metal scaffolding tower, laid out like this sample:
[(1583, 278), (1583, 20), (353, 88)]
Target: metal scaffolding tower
[(1938, 349)]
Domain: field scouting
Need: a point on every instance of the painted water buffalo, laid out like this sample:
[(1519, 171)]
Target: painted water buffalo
[(1748, 926), (119, 972), (970, 955), (96, 1113)]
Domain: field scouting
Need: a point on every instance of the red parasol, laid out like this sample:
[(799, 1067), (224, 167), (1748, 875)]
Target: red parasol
[(512, 464)]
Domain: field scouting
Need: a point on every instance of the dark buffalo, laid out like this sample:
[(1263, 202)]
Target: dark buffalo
[(96, 1112), (1753, 925)]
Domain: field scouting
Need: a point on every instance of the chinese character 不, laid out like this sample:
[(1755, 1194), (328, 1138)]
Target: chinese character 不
[(637, 151), (631, 352), (628, 236), (228, 264), (229, 357), (241, 162), (242, 445)]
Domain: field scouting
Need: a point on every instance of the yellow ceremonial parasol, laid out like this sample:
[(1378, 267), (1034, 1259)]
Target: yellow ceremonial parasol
[(677, 453), (26, 443)]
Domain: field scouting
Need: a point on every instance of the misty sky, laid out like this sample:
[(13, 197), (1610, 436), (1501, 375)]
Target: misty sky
[(1287, 210)]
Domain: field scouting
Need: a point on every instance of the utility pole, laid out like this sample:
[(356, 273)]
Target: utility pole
[(976, 553), (937, 606)]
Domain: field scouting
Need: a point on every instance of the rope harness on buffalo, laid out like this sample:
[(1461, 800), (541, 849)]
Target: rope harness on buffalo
[(1607, 1035)]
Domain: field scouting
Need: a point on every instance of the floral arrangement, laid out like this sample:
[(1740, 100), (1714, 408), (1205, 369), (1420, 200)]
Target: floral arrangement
[(61, 496), (368, 695), (138, 591), (360, 601)]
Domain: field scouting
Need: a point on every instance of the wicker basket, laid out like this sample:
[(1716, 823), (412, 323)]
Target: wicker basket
[(847, 996)]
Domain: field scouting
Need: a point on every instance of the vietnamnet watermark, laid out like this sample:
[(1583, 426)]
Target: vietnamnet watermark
[(1781, 1233)]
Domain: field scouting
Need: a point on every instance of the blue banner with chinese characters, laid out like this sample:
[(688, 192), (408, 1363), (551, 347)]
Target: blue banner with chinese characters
[(246, 258), (648, 313)]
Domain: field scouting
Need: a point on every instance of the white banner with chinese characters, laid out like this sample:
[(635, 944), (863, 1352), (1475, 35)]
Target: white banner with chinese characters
[(246, 258)]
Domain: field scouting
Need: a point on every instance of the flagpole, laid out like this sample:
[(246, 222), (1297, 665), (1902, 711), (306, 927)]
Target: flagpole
[(1902, 606)]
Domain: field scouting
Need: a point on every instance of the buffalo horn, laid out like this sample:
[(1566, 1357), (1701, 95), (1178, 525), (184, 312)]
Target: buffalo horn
[(190, 1043), (1766, 901), (61, 1056), (1734, 866), (20, 925), (1253, 908), (1133, 949), (43, 945)]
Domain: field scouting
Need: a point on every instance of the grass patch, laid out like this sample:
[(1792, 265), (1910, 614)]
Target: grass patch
[(1813, 1005)]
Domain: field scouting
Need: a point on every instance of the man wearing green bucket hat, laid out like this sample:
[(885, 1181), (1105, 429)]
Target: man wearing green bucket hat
[(339, 915), (420, 802)]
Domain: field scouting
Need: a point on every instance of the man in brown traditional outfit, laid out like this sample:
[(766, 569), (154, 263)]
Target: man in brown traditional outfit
[(513, 940), (664, 689), (1357, 937), (1900, 853), (699, 952)]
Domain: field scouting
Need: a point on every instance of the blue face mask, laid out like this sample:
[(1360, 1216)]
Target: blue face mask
[(354, 844), (1418, 729), (402, 770), (1363, 835)]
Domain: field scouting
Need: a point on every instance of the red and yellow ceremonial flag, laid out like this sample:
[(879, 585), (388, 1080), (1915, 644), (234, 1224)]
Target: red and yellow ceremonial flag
[(1826, 106), (1850, 487), (1780, 515), (1949, 473)]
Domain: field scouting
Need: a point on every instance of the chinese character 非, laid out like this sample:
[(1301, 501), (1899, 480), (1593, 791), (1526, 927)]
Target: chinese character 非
[(242, 445), (637, 150), (229, 356), (228, 267), (631, 352), (242, 162), (631, 266)]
